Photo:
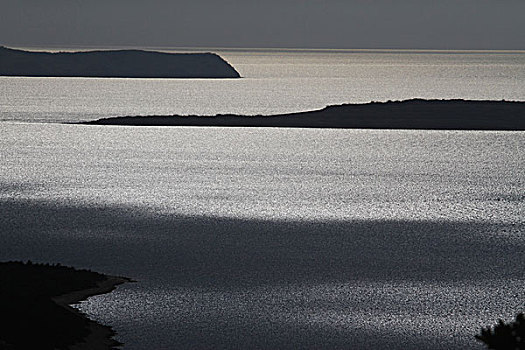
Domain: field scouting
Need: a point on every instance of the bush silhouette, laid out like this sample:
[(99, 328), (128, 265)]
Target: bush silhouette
[(505, 336)]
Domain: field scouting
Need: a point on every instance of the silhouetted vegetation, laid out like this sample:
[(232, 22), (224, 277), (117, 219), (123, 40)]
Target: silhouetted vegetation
[(29, 318), (505, 336)]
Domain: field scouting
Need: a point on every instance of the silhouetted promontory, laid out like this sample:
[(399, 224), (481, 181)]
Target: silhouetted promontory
[(409, 114), (116, 64), (35, 311)]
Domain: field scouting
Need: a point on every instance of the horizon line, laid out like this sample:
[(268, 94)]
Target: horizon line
[(260, 49)]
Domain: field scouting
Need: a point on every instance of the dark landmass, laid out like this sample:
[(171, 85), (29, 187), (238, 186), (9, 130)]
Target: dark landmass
[(35, 311), (409, 114), (116, 64)]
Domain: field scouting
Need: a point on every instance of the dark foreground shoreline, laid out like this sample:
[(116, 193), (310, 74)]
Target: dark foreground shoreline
[(35, 301), (408, 114)]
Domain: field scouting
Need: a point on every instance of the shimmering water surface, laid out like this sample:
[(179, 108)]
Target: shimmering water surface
[(274, 238), (273, 82)]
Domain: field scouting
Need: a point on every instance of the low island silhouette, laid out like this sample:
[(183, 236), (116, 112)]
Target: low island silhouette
[(114, 64), (35, 299), (408, 114)]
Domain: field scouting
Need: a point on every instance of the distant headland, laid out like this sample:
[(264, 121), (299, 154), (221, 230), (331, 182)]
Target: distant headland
[(409, 114), (35, 299), (114, 64)]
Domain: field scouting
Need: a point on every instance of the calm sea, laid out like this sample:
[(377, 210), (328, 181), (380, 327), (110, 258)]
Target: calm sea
[(273, 82), (275, 238)]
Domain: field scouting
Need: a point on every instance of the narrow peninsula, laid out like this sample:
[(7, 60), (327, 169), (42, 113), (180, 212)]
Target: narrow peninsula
[(35, 299), (114, 64), (409, 114)]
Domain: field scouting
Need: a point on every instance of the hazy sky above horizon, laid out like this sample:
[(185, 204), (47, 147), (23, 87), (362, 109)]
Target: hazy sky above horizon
[(443, 24)]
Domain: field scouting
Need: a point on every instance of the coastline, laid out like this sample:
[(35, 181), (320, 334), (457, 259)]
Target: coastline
[(416, 114), (36, 299), (100, 336)]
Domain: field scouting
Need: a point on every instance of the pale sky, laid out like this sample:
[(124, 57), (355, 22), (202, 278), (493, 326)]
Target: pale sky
[(417, 24)]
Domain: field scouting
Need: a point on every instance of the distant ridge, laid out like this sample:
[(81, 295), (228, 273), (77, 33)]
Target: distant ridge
[(117, 64), (408, 114)]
